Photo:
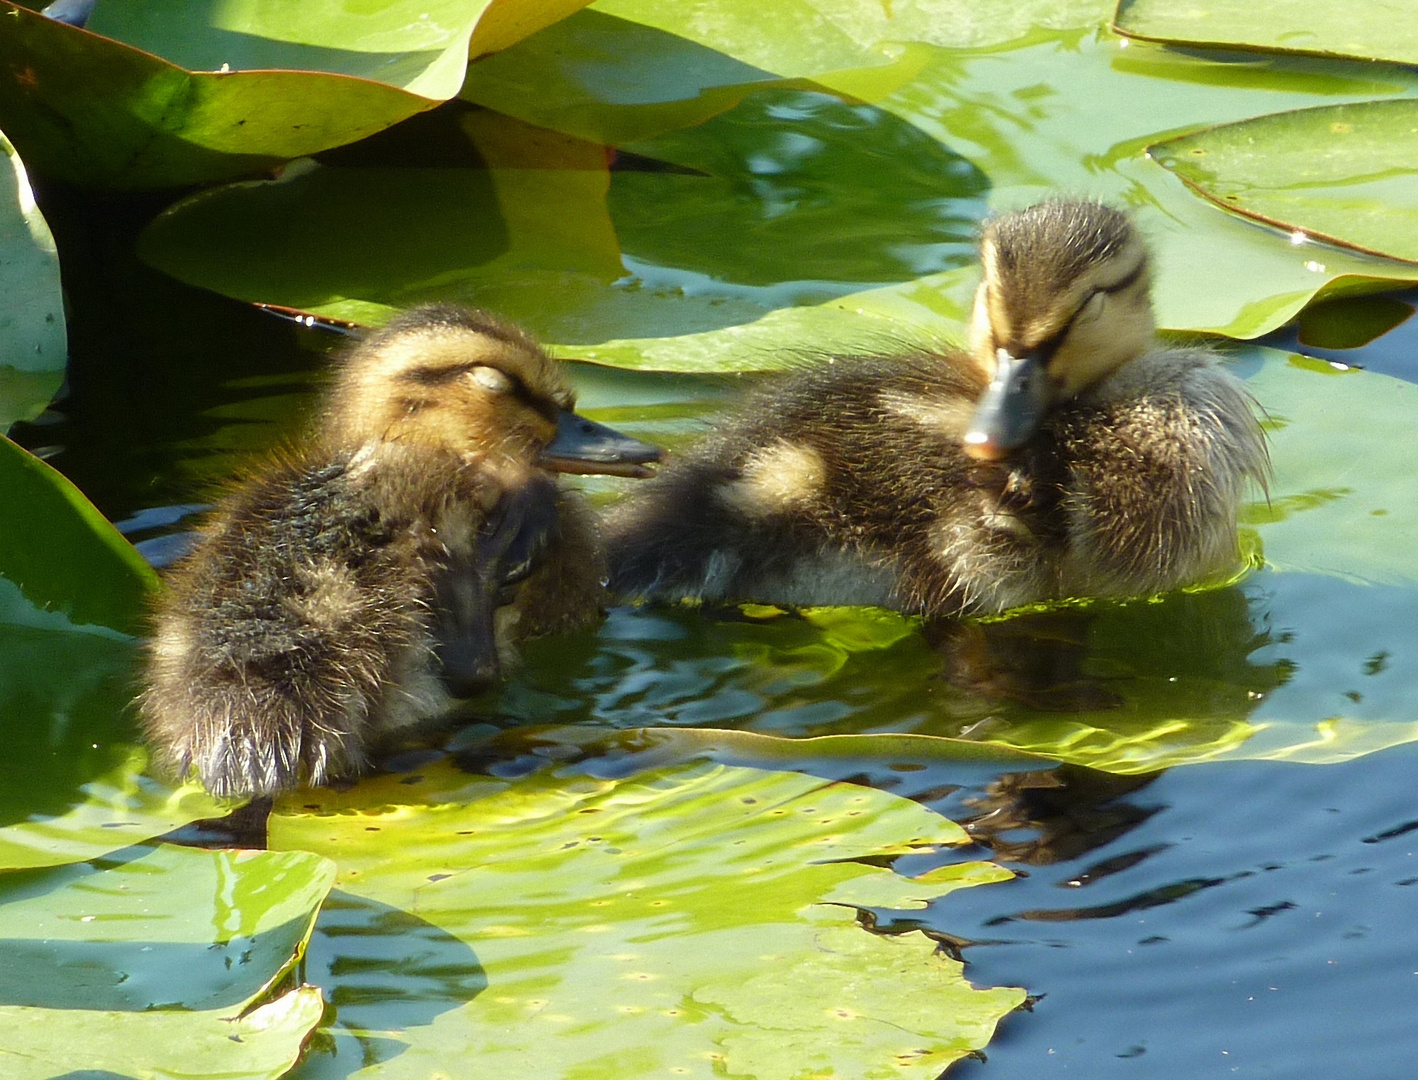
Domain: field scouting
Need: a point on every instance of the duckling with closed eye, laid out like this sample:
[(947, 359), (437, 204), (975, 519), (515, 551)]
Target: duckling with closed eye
[(388, 566), (1067, 453)]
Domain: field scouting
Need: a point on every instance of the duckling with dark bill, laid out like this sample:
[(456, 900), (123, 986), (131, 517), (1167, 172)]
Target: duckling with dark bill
[(1067, 453), (386, 567)]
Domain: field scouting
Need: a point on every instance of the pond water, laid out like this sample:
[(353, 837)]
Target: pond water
[(1235, 918)]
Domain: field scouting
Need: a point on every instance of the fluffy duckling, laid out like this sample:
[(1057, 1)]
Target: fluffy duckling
[(387, 567), (1067, 453)]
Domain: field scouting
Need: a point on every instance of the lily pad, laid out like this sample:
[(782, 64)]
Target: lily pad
[(771, 195), (33, 350), (529, 238), (631, 69), (810, 38), (1343, 174), (1012, 125), (149, 967), (638, 927), (61, 552), (1363, 29), (1345, 495), (263, 1044), (532, 236), (157, 93), (70, 587), (611, 80), (1023, 114)]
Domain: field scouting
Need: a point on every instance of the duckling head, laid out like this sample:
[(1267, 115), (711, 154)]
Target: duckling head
[(1064, 302), (463, 381)]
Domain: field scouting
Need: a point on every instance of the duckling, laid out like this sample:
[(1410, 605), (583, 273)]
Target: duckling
[(1067, 453), (386, 567)]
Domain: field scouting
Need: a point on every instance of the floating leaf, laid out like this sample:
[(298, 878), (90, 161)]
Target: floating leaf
[(1361, 29), (42, 1044), (668, 295), (610, 80), (531, 236), (159, 93), (71, 786), (1340, 173), (61, 552), (1345, 495), (32, 345), (148, 967), (639, 927), (810, 38)]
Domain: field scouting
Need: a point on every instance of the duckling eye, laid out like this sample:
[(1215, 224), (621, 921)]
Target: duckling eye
[(1092, 307), (491, 379)]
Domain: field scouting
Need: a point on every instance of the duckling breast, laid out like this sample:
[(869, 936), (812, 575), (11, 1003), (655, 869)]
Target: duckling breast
[(1160, 457)]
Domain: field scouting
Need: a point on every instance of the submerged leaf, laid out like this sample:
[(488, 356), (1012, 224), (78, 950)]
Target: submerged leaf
[(528, 237), (669, 922)]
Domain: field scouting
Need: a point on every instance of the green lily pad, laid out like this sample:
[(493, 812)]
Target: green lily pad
[(661, 290), (1024, 115), (771, 195), (159, 93), (33, 349), (166, 927), (1344, 174), (1363, 29), (630, 69), (149, 967), (72, 784), (62, 553), (70, 588), (610, 80), (1345, 496), (524, 238), (263, 1044), (810, 38), (639, 927), (532, 235)]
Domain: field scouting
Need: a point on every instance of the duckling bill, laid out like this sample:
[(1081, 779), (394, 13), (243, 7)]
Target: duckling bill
[(1066, 453), (388, 565)]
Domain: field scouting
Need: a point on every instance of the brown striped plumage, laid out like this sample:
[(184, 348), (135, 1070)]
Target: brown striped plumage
[(1067, 453)]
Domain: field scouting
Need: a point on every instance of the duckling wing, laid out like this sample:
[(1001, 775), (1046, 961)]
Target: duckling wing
[(470, 589)]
